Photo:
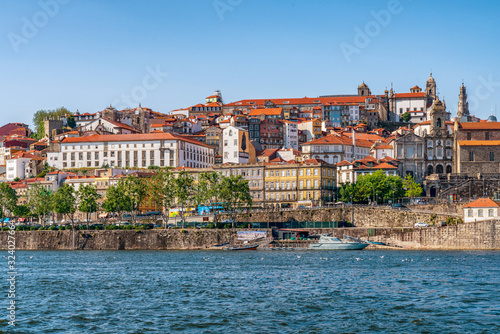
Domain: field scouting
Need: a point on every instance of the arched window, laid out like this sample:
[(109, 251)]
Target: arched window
[(448, 169), (430, 170), (439, 169), (439, 122)]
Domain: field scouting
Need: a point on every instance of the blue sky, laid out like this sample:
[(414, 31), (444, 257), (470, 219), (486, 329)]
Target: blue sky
[(89, 54)]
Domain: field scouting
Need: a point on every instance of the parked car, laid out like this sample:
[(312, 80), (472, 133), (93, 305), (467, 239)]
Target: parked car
[(397, 205), (420, 224)]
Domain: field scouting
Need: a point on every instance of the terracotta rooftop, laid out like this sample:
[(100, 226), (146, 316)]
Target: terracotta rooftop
[(482, 203)]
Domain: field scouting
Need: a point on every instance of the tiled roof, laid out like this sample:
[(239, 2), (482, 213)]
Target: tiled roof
[(383, 147), (343, 163), (132, 137), (304, 100), (409, 95), (478, 142), (265, 111), (482, 203), (480, 126)]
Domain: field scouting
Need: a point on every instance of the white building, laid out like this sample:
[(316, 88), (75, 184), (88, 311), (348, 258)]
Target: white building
[(24, 166), (103, 125), (481, 209), (291, 134), (382, 150), (354, 113), (133, 150), (335, 148), (236, 147), (348, 172)]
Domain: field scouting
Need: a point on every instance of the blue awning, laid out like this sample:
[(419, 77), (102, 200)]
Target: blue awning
[(6, 220)]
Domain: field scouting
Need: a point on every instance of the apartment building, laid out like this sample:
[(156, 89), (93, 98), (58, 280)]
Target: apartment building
[(308, 183), (134, 150)]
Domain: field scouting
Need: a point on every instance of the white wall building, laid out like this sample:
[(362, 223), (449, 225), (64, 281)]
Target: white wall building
[(291, 134), (354, 112), (232, 150), (481, 209), (335, 148), (134, 150), (16, 168)]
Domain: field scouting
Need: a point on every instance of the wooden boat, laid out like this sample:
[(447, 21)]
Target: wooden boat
[(244, 247)]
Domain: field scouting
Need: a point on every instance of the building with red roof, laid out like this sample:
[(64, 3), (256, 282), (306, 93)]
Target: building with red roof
[(130, 150), (481, 209)]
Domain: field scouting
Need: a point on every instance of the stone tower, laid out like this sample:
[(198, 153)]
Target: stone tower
[(463, 105), (363, 90), (438, 119), (430, 90)]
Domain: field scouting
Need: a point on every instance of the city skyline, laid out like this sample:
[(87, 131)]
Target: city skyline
[(86, 56)]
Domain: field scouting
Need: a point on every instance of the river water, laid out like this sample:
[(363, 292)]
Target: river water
[(369, 291)]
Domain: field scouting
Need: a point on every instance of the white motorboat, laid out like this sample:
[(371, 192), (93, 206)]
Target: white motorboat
[(330, 242)]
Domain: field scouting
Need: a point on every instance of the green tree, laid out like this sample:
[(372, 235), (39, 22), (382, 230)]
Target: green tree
[(43, 115), (40, 201), (235, 194), (65, 202), (183, 188), (116, 200), (8, 198), (135, 191), (88, 198), (71, 121), (347, 191), (412, 188), (394, 188), (162, 192), (406, 117), (212, 184), (22, 210)]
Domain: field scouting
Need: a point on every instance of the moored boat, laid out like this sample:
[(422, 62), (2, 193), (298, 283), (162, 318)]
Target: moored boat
[(334, 243), (244, 247)]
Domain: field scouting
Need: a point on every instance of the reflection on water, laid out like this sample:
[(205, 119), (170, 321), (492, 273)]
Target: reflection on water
[(256, 292)]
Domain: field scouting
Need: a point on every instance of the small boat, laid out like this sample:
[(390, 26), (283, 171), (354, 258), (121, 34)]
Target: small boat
[(221, 245), (376, 243), (244, 247), (330, 242)]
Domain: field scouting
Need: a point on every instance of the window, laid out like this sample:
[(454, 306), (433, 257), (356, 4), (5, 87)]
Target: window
[(469, 136), (316, 171), (471, 156), (487, 136), (490, 212), (492, 156), (480, 212), (301, 172)]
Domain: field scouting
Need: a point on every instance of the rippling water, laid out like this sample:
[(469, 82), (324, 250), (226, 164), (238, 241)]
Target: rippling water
[(255, 292)]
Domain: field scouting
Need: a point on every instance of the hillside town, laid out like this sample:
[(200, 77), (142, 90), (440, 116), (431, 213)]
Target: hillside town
[(294, 152)]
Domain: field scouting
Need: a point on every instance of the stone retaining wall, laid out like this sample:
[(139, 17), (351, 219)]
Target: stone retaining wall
[(479, 235), (364, 216)]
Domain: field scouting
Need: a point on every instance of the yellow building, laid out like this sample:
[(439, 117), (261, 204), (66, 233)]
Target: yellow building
[(308, 183)]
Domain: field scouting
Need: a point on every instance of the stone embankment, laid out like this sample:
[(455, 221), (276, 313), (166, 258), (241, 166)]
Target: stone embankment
[(363, 216), (470, 236)]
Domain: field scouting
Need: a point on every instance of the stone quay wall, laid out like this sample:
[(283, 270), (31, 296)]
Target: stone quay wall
[(363, 216), (471, 236)]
